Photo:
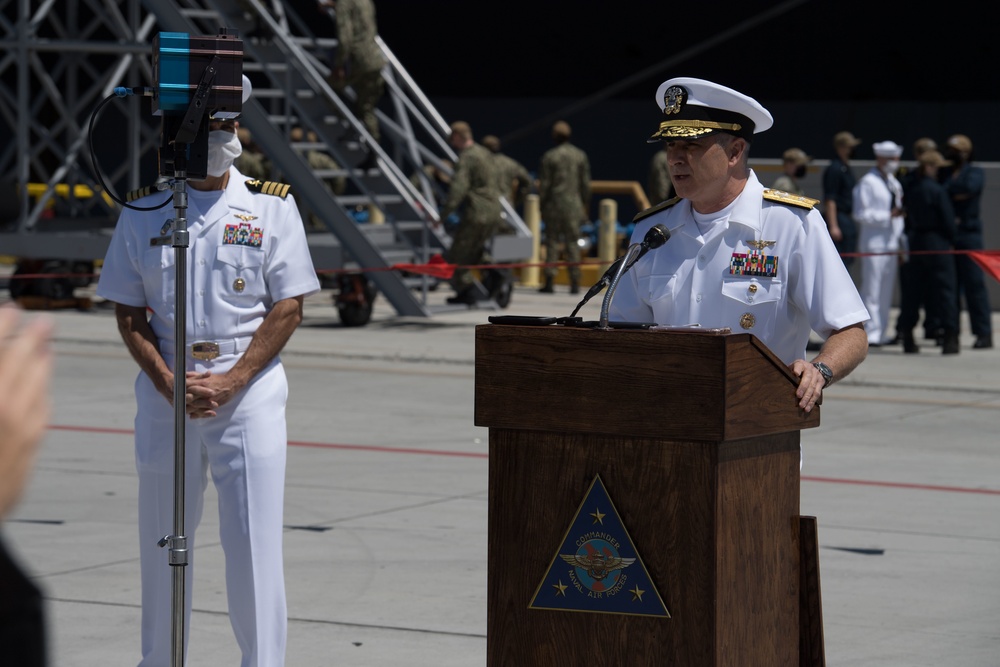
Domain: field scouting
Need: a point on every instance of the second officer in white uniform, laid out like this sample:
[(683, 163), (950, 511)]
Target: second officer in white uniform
[(249, 269), (739, 256)]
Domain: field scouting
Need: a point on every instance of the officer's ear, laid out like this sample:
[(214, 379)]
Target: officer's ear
[(736, 149)]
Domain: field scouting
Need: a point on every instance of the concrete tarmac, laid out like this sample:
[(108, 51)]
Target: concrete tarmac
[(386, 500)]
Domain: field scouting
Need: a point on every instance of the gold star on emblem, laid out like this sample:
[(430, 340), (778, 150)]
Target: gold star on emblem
[(637, 593), (560, 588), (244, 217), (598, 517), (760, 245)]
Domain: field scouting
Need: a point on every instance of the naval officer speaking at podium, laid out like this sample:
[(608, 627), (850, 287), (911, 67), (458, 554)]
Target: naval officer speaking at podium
[(741, 256)]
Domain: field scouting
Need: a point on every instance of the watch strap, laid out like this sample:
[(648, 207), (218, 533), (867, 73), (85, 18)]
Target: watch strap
[(825, 372)]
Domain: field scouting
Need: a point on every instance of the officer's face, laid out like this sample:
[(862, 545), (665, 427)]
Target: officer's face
[(699, 168)]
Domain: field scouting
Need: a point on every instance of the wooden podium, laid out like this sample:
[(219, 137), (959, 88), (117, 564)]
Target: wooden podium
[(695, 436)]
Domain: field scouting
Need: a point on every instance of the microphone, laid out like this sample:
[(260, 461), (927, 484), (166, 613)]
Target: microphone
[(654, 238)]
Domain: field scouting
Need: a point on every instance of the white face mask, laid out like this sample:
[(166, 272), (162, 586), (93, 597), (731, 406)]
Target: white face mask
[(890, 167), (223, 148)]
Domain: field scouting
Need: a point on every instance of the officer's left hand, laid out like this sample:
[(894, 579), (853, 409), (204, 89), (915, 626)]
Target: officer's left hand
[(207, 391), (811, 383)]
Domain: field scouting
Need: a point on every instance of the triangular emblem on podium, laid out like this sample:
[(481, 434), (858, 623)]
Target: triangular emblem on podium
[(597, 568)]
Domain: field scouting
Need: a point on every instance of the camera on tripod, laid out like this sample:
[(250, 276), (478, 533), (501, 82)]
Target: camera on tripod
[(196, 78)]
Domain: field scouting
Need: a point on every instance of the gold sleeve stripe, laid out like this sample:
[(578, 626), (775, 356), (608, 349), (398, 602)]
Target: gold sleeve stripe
[(269, 188)]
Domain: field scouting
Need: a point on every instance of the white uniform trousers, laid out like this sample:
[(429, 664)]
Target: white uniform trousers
[(878, 280), (244, 448)]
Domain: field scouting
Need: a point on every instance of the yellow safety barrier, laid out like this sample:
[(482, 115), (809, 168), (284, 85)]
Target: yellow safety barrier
[(80, 191)]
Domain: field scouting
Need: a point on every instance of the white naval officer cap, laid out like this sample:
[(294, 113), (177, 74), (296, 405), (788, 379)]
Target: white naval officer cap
[(887, 149), (698, 108)]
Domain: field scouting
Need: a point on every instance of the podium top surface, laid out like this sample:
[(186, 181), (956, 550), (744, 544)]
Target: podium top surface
[(662, 384)]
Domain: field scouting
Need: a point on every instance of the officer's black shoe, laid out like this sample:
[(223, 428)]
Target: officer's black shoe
[(547, 288), (909, 345), (950, 343), (983, 342)]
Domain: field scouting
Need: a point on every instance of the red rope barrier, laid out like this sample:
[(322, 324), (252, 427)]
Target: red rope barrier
[(988, 260)]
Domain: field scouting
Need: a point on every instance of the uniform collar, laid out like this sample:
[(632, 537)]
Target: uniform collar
[(238, 196), (746, 210), (234, 200)]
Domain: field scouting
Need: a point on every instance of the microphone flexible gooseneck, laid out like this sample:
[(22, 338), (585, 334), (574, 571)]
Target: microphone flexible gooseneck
[(654, 238)]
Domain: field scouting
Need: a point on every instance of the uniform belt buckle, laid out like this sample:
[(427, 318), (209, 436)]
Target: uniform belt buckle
[(205, 351)]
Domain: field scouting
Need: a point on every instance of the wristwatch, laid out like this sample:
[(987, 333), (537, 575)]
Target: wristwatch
[(825, 371)]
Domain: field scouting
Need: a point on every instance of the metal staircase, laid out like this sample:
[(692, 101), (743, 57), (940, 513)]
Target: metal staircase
[(284, 58)]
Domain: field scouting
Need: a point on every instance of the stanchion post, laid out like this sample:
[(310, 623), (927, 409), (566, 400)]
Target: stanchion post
[(531, 275), (607, 241)]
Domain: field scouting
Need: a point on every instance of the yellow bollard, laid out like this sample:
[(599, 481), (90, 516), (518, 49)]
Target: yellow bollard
[(531, 275), (607, 242)]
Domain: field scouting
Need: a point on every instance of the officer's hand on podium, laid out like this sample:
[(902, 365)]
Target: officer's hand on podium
[(811, 383)]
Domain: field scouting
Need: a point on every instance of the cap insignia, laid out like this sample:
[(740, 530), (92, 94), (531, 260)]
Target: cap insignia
[(673, 100)]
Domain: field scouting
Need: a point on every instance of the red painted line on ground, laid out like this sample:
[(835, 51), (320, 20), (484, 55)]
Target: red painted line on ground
[(300, 443), (92, 429), (482, 455), (902, 485), (394, 450)]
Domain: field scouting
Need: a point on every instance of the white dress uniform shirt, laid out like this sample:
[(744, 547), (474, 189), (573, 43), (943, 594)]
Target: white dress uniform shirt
[(691, 279), (232, 283)]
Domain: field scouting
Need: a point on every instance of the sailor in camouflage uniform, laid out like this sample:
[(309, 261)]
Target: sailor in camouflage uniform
[(475, 195), (358, 60), (564, 198), (515, 180)]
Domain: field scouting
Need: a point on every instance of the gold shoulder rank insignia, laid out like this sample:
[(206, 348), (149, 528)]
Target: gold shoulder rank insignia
[(655, 209), (269, 188), (783, 197), (139, 193)]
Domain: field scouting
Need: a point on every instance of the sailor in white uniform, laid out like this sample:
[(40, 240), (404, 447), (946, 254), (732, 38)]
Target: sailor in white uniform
[(740, 256), (249, 269), (878, 211)]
